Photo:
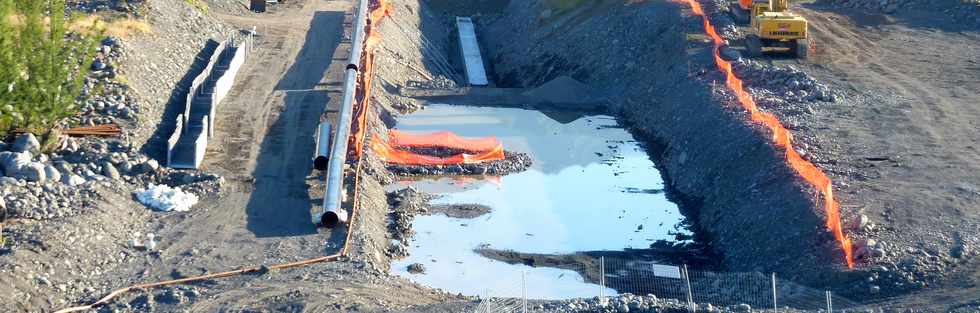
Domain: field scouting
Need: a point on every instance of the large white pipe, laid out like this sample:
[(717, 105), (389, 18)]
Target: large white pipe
[(333, 198), (322, 157)]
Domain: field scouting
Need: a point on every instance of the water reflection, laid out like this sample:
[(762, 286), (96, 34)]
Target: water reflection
[(580, 195)]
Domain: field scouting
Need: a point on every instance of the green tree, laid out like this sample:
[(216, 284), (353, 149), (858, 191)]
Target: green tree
[(10, 65), (44, 64)]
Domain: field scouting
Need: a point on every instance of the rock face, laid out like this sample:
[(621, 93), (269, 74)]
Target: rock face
[(27, 143)]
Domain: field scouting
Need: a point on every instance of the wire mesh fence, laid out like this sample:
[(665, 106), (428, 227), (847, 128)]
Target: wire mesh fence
[(601, 279)]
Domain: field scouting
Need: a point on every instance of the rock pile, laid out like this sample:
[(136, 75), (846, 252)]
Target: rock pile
[(45, 186), (108, 101), (91, 6), (513, 162), (630, 303), (406, 204), (782, 84)]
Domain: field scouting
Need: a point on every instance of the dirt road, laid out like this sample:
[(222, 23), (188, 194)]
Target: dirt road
[(907, 139), (263, 146)]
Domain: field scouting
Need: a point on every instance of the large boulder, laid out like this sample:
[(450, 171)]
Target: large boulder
[(13, 162), (32, 172), (27, 143)]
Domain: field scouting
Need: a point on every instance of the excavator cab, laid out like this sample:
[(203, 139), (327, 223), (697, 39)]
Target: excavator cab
[(744, 10)]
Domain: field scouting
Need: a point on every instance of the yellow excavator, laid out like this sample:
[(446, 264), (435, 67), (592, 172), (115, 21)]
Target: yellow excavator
[(773, 25)]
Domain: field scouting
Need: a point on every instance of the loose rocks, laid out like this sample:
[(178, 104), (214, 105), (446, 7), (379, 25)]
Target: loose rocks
[(416, 268), (27, 143), (513, 162)]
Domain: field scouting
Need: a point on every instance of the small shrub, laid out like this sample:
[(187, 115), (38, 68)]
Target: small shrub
[(94, 24)]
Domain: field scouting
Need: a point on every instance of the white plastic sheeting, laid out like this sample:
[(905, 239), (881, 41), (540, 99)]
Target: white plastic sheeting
[(165, 198)]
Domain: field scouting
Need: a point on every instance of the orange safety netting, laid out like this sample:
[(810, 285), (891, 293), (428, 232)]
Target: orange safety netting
[(442, 139), (781, 137), (390, 152), (379, 9)]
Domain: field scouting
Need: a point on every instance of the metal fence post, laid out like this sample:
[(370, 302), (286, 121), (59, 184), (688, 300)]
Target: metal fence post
[(690, 295), (775, 307), (602, 280), (524, 291), (830, 302)]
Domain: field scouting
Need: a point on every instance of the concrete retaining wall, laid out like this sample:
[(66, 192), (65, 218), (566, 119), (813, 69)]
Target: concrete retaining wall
[(208, 88)]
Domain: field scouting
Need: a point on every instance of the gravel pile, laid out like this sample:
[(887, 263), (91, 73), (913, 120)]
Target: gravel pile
[(406, 204), (630, 303), (782, 85), (62, 184), (513, 162), (107, 100)]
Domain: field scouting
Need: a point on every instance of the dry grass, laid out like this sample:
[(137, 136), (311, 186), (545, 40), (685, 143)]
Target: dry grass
[(199, 5), (120, 28), (92, 23)]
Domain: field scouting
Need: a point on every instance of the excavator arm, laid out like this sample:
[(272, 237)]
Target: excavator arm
[(778, 5)]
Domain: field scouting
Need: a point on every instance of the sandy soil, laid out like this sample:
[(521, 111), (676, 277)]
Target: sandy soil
[(906, 140)]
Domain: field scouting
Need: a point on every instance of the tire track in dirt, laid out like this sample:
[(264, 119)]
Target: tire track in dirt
[(912, 98)]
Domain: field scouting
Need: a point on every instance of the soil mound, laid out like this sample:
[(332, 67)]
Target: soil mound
[(566, 91)]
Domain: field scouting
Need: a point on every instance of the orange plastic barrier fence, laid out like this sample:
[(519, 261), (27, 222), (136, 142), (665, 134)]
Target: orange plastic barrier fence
[(389, 152), (379, 9), (442, 139), (780, 137)]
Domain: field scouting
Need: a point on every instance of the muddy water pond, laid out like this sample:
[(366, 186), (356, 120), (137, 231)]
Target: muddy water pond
[(592, 187)]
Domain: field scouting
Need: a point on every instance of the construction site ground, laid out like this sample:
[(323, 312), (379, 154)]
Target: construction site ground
[(900, 143), (905, 139)]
